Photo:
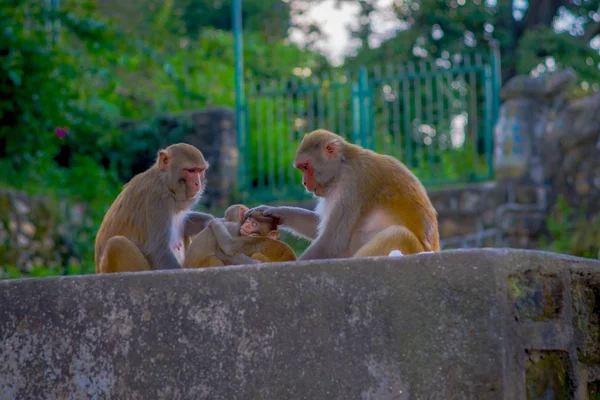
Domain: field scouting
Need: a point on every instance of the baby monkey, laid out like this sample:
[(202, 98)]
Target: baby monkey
[(236, 240)]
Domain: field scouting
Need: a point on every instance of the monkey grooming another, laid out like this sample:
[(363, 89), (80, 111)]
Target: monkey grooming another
[(368, 204), (237, 240), (149, 225)]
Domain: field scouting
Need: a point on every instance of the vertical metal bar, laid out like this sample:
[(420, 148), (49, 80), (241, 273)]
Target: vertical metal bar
[(240, 106), (356, 106), (442, 135), (292, 98), (381, 126), (395, 90), (461, 88), (488, 122), (310, 97), (342, 120), (363, 84), (408, 134), (280, 132), (300, 121), (270, 142), (429, 112), (331, 106), (320, 101), (395, 110), (472, 111), (477, 90), (259, 135), (418, 118)]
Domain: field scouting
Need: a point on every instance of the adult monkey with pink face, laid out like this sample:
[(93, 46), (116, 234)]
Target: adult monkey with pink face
[(368, 204), (150, 224)]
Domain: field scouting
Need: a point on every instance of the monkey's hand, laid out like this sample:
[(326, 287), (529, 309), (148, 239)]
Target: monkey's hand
[(299, 221), (277, 213)]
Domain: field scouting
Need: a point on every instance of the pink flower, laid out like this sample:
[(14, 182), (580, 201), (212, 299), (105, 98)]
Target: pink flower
[(61, 132)]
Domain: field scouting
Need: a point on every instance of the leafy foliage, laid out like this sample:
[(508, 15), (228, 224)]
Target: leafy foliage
[(572, 232), (534, 36), (66, 91)]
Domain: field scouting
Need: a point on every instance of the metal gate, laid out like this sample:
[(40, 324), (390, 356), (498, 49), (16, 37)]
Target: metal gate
[(436, 116)]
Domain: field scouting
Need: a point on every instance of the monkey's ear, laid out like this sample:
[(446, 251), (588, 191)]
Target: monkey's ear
[(242, 211), (273, 234), (163, 160), (331, 149)]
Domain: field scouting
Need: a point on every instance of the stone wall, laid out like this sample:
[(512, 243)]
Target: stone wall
[(546, 146), (38, 231), (492, 214), (474, 324)]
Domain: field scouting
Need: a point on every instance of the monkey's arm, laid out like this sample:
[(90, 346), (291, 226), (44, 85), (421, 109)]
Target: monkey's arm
[(157, 247), (335, 238), (161, 256), (196, 222), (224, 239), (299, 221)]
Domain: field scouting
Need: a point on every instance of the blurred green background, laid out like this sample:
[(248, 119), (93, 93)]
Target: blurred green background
[(89, 65)]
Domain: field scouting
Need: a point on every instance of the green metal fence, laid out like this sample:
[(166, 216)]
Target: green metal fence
[(436, 116)]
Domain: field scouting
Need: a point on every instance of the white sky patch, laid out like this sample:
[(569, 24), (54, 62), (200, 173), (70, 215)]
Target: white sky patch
[(334, 23)]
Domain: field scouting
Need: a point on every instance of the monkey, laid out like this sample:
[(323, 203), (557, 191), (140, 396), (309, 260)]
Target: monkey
[(237, 239), (149, 225), (368, 204)]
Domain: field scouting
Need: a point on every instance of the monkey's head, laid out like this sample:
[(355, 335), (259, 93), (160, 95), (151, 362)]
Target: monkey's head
[(319, 157), (235, 213), (255, 224), (184, 166)]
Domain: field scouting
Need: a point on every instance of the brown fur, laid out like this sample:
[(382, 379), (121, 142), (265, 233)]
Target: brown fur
[(221, 244), (369, 204), (136, 232)]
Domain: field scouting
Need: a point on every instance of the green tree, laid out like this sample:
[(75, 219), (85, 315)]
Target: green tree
[(270, 18), (533, 34)]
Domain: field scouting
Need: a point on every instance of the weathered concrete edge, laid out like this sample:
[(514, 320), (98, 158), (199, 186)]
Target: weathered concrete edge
[(438, 258)]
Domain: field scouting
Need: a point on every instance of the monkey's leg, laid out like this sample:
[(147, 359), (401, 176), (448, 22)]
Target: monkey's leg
[(201, 251), (239, 259), (260, 257), (210, 261), (122, 255), (392, 238)]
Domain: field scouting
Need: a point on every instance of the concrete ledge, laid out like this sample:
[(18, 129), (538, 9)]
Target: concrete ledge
[(461, 324)]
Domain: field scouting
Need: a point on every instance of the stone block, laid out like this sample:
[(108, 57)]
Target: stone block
[(586, 316), (527, 194), (435, 326), (522, 223), (548, 375), (452, 226), (535, 296)]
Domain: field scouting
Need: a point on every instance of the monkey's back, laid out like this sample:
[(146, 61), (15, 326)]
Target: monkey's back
[(393, 186), (127, 216), (274, 250)]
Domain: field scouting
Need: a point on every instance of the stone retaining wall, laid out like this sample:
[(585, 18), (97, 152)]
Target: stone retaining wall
[(491, 214), (476, 324)]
